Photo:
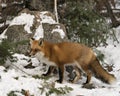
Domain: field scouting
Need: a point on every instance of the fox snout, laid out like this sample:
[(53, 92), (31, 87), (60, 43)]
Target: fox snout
[(31, 53)]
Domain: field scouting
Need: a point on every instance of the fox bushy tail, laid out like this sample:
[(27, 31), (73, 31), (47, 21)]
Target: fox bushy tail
[(101, 73)]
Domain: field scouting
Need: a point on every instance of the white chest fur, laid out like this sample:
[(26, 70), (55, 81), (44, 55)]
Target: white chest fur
[(41, 56)]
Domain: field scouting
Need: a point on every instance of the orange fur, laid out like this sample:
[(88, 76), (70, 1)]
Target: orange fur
[(60, 54)]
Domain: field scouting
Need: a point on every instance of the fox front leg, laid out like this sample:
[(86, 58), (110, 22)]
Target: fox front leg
[(50, 70), (61, 72)]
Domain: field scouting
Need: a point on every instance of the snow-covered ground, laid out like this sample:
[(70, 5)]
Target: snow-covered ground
[(18, 78), (15, 80)]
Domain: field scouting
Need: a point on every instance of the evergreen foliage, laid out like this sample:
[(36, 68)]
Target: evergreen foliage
[(84, 24), (12, 93), (5, 51), (49, 89)]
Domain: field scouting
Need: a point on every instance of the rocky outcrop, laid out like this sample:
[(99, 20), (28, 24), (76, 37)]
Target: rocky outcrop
[(55, 32), (34, 24)]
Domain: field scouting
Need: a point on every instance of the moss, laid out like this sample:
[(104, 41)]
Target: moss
[(19, 46), (23, 42), (5, 51)]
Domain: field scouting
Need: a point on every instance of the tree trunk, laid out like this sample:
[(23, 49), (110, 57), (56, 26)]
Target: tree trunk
[(114, 21), (55, 10)]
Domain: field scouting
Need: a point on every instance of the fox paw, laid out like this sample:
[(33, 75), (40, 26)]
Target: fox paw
[(59, 81), (71, 81), (45, 74)]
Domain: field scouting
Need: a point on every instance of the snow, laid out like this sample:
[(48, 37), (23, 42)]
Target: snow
[(44, 19), (17, 77), (39, 33), (3, 5), (47, 19), (25, 81), (24, 19), (60, 31), (117, 4), (9, 83), (2, 36), (27, 20)]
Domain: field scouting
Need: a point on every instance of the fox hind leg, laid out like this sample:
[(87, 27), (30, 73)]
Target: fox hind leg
[(89, 74), (85, 68), (50, 70), (77, 73)]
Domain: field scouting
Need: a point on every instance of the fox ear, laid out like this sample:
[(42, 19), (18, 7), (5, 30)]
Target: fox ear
[(41, 40), (31, 40)]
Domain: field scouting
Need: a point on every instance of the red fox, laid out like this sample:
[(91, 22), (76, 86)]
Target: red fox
[(61, 54)]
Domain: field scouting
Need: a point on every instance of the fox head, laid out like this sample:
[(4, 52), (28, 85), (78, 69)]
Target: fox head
[(38, 50), (36, 46)]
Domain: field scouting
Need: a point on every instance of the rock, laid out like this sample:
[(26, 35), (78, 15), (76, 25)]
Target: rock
[(19, 38), (55, 32), (40, 5), (34, 24), (36, 5)]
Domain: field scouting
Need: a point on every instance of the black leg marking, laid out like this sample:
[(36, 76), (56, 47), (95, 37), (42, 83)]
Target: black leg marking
[(60, 75)]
